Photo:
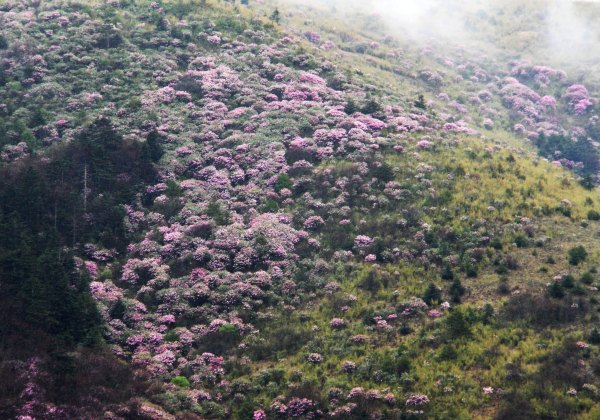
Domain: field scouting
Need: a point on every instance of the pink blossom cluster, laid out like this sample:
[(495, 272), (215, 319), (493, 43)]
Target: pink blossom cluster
[(417, 400), (542, 75), (315, 358), (578, 98), (363, 241), (313, 37), (337, 323), (348, 366)]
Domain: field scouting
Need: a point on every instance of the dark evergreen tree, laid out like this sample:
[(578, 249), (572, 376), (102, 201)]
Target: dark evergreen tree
[(457, 325), (577, 255), (594, 337), (488, 314), (383, 172), (276, 16), (568, 282), (556, 290), (350, 107), (153, 140), (432, 294), (456, 290), (447, 273), (420, 102), (370, 282), (371, 107)]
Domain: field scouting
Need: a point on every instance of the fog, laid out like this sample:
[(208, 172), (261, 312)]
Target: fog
[(569, 33), (561, 31)]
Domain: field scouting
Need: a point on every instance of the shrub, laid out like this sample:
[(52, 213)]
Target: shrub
[(581, 150), (370, 282), (276, 16), (447, 273), (471, 271), (514, 406), (588, 182), (181, 381), (457, 325), (286, 339), (556, 290), (568, 281), (350, 107), (405, 329), (432, 294), (216, 211), (541, 311), (153, 141), (420, 102), (503, 286), (594, 337), (577, 255), (383, 172), (173, 189), (593, 215), (118, 311), (578, 290), (283, 181), (487, 314), (587, 278), (501, 268), (496, 243), (371, 107), (171, 336), (456, 291), (448, 353), (228, 329), (521, 241), (270, 206)]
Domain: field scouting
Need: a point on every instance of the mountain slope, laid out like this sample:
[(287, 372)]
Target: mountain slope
[(272, 225)]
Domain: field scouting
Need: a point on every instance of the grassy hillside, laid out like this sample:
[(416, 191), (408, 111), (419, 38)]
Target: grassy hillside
[(228, 213)]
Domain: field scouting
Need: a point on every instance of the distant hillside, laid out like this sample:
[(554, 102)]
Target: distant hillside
[(280, 210)]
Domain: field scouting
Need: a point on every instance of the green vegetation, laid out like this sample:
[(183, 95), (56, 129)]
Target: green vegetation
[(206, 214)]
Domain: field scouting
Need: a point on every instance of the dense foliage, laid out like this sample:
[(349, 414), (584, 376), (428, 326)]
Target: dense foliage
[(208, 215)]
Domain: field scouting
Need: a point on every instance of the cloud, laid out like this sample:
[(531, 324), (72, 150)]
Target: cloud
[(561, 31)]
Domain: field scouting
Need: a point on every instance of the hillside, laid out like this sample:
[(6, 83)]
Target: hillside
[(294, 210)]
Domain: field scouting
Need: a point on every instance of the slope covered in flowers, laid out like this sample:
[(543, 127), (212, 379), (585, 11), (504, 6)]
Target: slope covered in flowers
[(294, 231)]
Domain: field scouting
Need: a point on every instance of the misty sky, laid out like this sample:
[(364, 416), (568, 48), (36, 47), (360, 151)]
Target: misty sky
[(556, 31)]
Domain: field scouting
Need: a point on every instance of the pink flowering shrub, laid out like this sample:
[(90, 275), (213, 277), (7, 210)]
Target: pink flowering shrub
[(298, 407), (424, 144), (315, 358), (214, 39), (313, 222), (362, 241), (259, 415), (348, 366), (548, 101), (578, 98), (356, 393), (417, 400), (313, 37), (337, 323)]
